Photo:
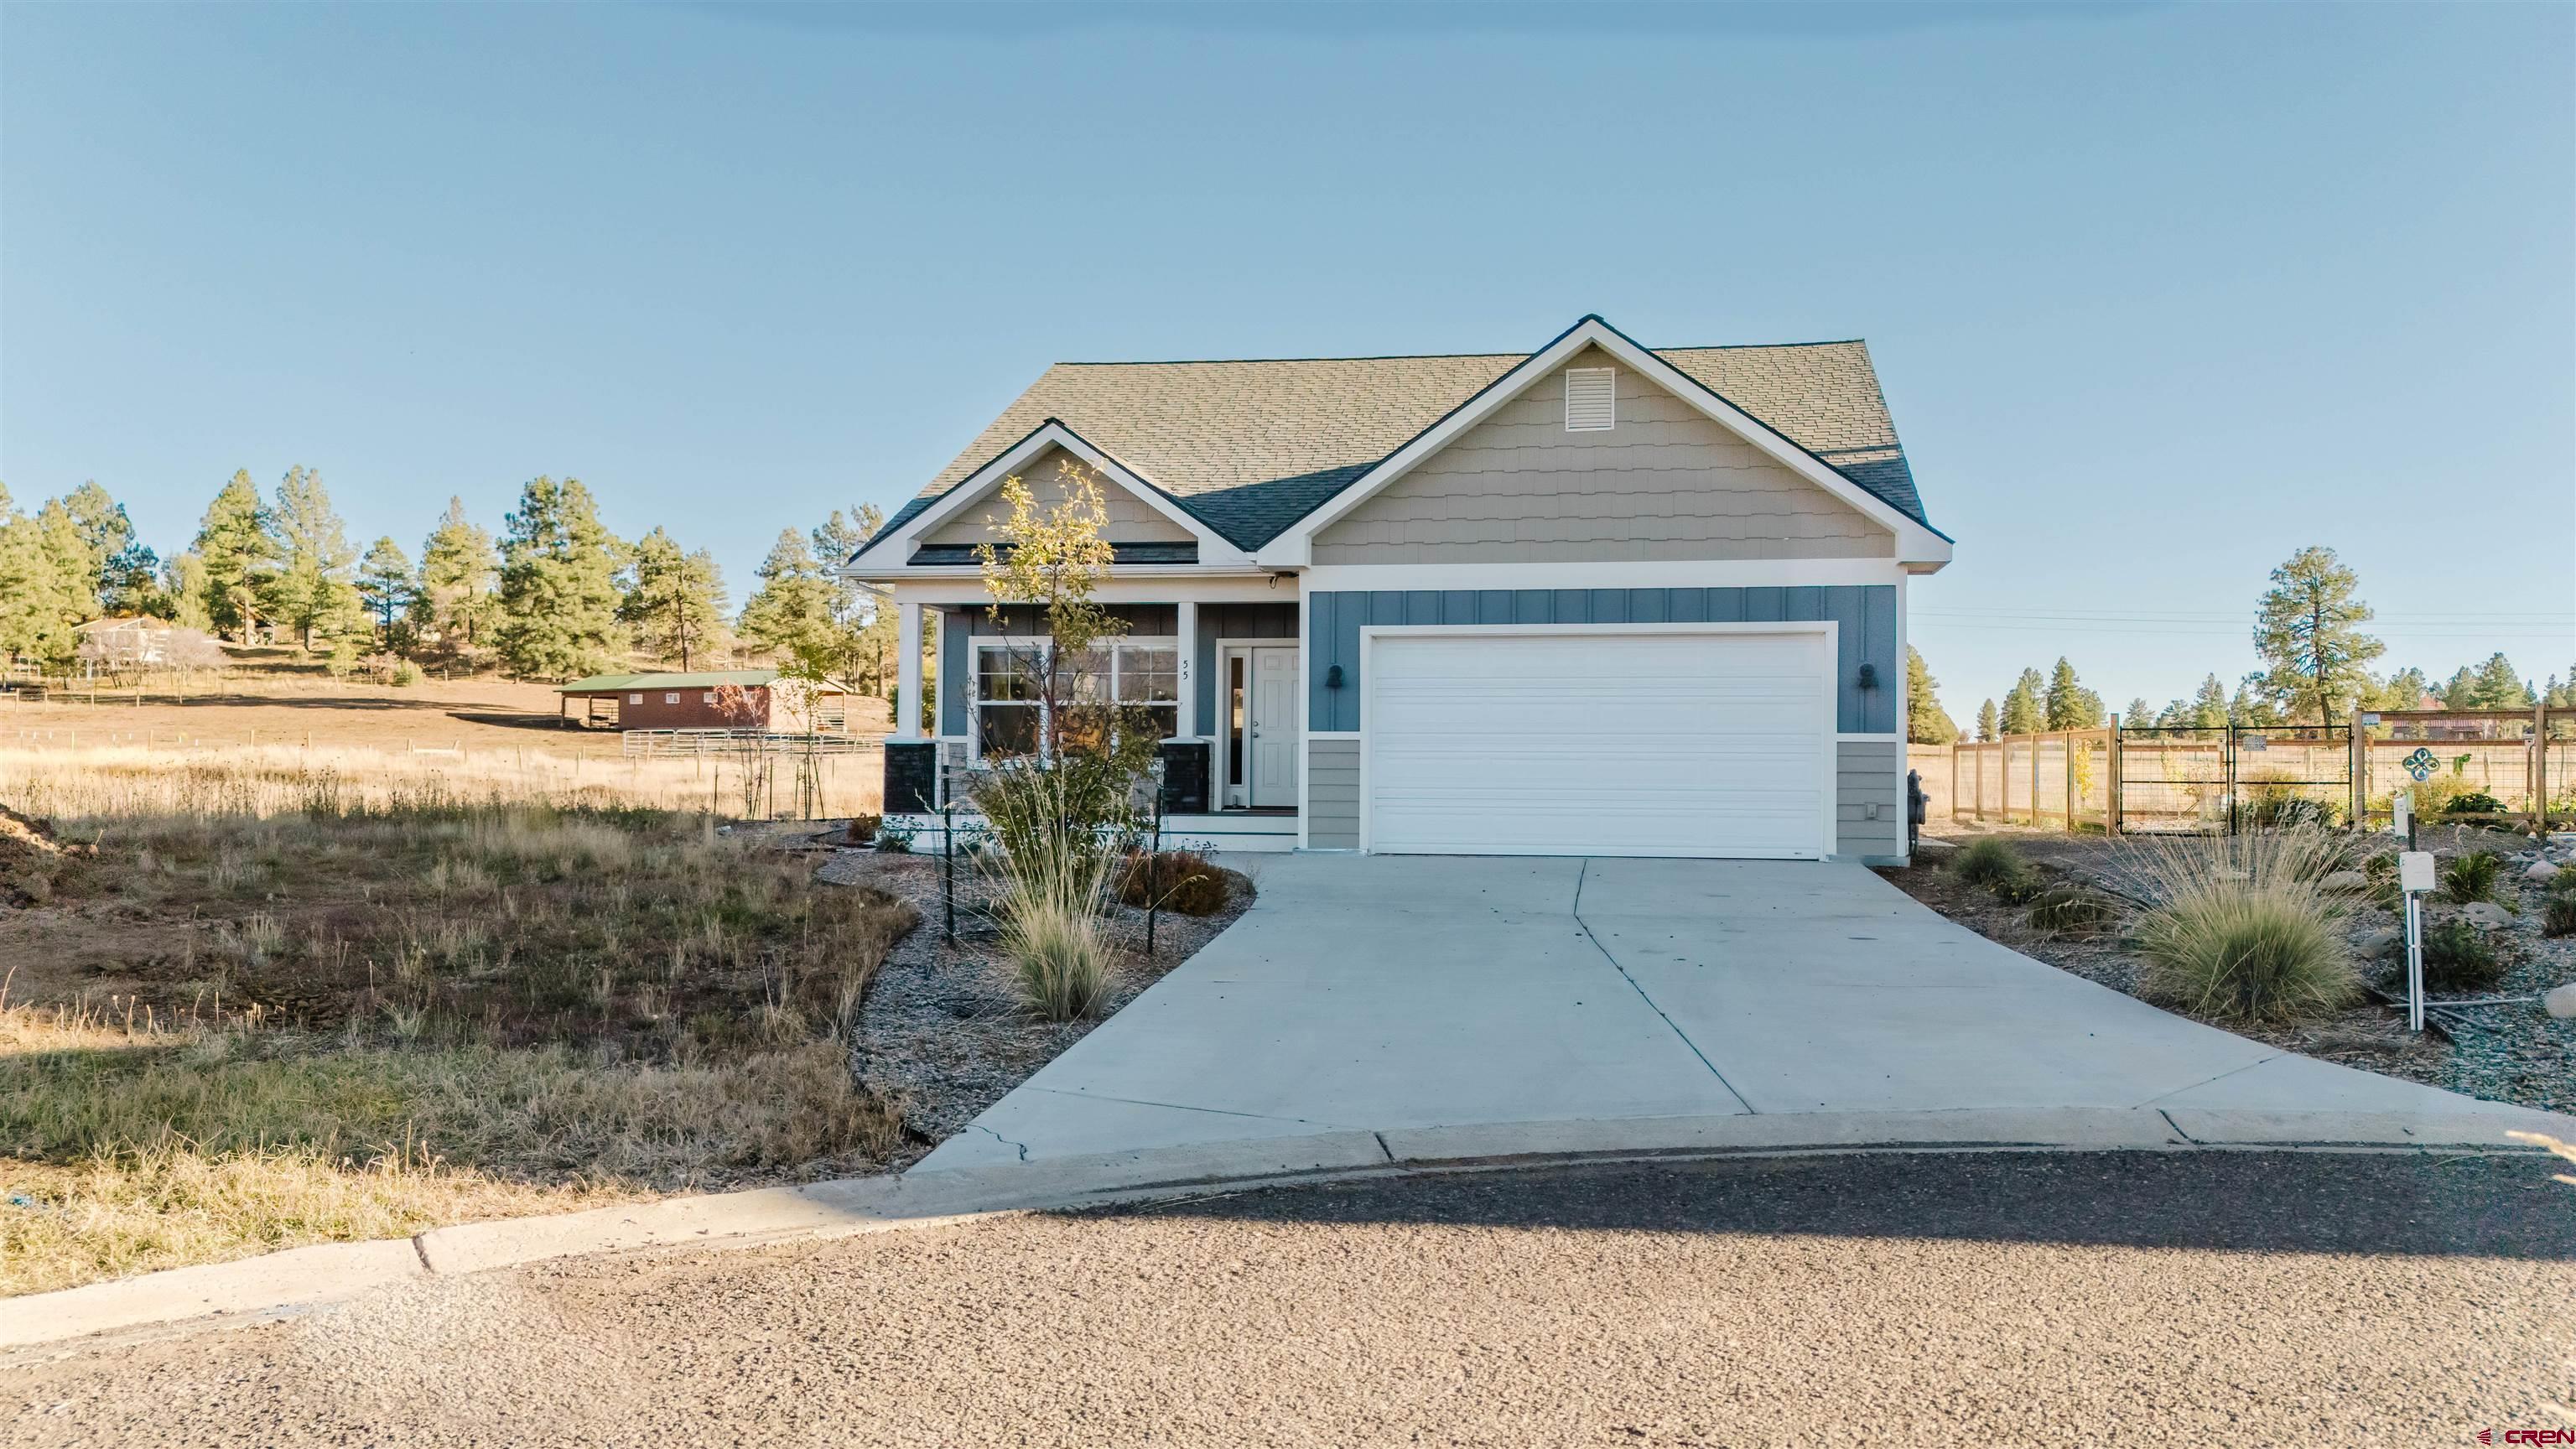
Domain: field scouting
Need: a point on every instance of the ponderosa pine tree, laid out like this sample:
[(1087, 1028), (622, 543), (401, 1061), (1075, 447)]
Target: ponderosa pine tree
[(235, 552), (386, 583), (2209, 705), (1926, 723), (1988, 723), (557, 603), (44, 590), (312, 591), (675, 601), (2066, 704), (2025, 705), (2139, 712), (791, 611), (457, 571), (2307, 628)]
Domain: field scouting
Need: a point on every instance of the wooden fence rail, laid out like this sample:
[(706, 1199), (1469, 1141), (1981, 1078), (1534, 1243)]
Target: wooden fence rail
[(2129, 780)]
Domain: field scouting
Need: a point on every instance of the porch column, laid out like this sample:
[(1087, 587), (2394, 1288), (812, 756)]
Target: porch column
[(907, 689), (1188, 727)]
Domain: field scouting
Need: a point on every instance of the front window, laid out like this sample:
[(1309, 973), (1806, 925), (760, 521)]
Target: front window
[(1009, 713)]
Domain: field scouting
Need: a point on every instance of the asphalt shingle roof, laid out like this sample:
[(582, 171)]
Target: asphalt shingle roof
[(1250, 447)]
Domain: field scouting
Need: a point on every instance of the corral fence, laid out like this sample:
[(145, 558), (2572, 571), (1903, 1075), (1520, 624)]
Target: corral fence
[(2148, 779), (656, 744)]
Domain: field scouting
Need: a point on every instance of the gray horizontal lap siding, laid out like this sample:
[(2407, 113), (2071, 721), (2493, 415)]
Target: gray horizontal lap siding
[(1865, 612), (1867, 773), (1332, 794)]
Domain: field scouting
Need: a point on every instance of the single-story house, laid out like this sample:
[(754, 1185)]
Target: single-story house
[(698, 702), (1595, 599), (125, 642)]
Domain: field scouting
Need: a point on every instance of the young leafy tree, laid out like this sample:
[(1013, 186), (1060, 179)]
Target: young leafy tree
[(557, 603), (457, 569), (1988, 724), (675, 601), (791, 611), (1926, 722), (1053, 560), (2307, 628), (385, 582), (2025, 708), (311, 591), (2066, 703), (235, 551)]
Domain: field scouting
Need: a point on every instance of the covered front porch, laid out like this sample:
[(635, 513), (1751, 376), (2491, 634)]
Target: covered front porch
[(1221, 675)]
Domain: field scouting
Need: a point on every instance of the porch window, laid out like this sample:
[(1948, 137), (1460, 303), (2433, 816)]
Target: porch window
[(1010, 716)]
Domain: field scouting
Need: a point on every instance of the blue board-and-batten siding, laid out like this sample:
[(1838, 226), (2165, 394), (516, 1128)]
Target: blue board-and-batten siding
[(1865, 612)]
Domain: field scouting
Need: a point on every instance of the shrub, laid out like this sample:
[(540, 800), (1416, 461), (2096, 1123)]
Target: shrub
[(2476, 802), (1995, 865), (1181, 880), (863, 829), (404, 676), (2459, 957), (2071, 910), (894, 838), (2558, 914), (2273, 803), (2240, 929), (2472, 877)]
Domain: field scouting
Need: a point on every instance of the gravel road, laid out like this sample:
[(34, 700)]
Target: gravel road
[(2187, 1299)]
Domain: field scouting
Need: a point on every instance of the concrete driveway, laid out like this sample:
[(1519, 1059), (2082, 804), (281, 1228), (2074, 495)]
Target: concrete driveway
[(1399, 992)]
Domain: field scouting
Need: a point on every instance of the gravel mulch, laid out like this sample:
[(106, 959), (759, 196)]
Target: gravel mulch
[(942, 1034), (2514, 1053)]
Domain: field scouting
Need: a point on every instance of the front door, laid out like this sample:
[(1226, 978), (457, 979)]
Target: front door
[(1270, 728)]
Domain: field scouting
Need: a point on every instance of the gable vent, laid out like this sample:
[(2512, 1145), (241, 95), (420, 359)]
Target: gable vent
[(1591, 399)]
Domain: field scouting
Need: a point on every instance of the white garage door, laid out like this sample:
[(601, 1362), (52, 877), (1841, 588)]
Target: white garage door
[(1597, 742)]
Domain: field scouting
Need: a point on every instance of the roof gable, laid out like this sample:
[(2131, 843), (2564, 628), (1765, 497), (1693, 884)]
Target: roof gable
[(1251, 447)]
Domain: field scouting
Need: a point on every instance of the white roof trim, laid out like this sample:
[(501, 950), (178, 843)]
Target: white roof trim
[(893, 552), (1914, 542)]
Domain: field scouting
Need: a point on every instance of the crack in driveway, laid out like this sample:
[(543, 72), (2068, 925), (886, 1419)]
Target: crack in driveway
[(1651, 1004), (1184, 1107)]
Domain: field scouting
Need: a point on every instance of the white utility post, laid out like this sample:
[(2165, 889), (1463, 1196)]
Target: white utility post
[(1188, 714), (907, 689), (2414, 878)]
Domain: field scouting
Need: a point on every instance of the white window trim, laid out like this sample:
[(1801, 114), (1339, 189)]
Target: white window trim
[(974, 682), (670, 699)]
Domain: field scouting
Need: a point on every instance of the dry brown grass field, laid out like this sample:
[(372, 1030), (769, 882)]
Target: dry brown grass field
[(260, 994)]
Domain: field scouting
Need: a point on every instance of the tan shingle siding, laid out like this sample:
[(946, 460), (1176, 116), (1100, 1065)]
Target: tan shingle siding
[(1131, 519), (1666, 483)]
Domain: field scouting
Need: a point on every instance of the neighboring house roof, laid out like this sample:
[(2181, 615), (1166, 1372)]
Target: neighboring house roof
[(704, 679), (142, 622), (1250, 447)]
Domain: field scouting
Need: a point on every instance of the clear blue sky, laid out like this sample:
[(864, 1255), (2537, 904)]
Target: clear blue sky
[(2159, 293)]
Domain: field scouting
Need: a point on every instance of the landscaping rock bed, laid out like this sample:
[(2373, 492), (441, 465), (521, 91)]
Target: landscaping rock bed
[(2514, 1053), (942, 1035)]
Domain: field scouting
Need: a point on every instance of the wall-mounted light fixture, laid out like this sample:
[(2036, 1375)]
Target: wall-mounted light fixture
[(1333, 677), (1869, 676)]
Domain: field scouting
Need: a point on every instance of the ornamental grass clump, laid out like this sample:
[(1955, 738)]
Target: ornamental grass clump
[(1995, 865), (2473, 876), (1061, 832), (2241, 928)]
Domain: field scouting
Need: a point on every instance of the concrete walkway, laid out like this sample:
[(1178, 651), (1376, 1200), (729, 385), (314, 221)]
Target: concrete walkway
[(1391, 993)]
